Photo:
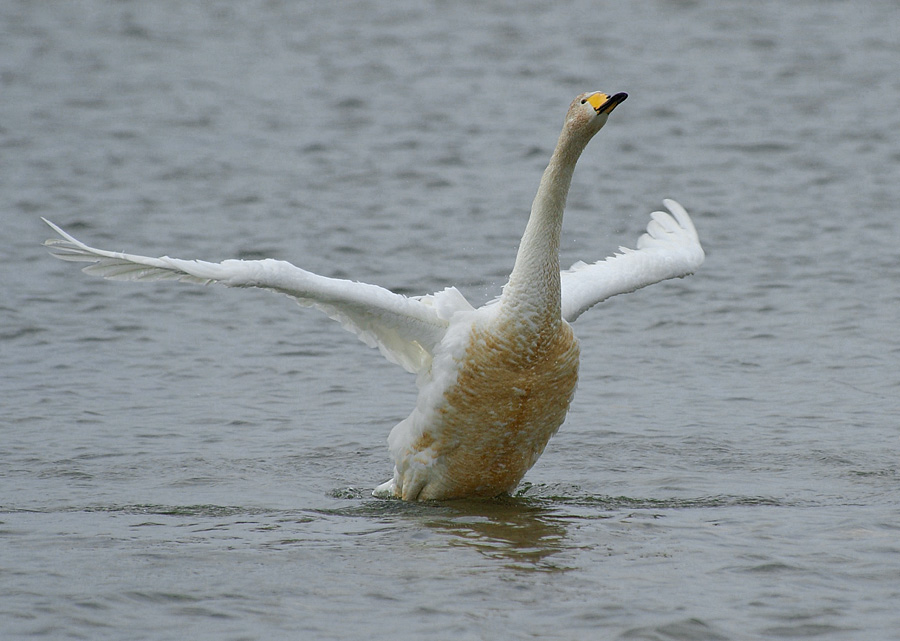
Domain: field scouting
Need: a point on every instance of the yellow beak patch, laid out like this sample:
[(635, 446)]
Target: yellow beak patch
[(604, 103), (597, 100)]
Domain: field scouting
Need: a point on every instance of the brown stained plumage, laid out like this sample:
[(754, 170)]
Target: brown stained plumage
[(509, 398)]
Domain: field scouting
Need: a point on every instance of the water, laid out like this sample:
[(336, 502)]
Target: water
[(179, 461)]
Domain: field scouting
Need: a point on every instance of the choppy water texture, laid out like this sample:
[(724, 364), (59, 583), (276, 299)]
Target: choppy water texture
[(185, 462)]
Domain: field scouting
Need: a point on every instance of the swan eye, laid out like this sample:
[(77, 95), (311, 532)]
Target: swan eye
[(583, 100)]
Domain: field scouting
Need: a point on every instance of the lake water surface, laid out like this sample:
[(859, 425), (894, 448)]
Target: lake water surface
[(186, 462)]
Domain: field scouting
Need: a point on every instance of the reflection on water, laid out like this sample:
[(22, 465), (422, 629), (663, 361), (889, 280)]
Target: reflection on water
[(527, 530), (517, 531), (520, 531)]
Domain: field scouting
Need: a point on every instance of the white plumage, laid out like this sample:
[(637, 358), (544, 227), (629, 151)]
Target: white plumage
[(494, 383)]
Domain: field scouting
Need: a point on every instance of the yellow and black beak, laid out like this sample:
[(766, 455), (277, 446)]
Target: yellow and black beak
[(604, 104)]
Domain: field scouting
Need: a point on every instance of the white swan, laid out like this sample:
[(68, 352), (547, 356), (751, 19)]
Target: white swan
[(494, 383)]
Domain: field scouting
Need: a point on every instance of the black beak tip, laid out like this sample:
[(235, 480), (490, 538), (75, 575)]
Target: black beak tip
[(611, 103)]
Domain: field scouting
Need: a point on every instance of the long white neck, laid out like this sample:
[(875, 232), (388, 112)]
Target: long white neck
[(532, 294)]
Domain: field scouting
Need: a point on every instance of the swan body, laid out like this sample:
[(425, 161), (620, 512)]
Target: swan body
[(495, 383)]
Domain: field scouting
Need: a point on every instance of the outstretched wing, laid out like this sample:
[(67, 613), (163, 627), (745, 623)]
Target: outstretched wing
[(406, 330), (669, 249)]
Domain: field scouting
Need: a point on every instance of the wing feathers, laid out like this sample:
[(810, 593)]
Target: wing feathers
[(669, 249), (406, 330)]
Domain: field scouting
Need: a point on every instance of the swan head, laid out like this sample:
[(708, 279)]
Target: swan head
[(589, 111)]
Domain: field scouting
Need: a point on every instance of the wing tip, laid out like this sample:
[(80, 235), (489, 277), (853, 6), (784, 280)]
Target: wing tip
[(681, 215)]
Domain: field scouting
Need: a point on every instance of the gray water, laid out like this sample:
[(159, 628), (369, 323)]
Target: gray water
[(186, 462)]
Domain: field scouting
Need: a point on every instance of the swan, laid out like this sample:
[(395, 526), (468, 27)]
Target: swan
[(494, 383)]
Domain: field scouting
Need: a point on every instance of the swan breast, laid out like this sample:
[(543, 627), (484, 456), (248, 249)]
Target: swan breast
[(490, 425)]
